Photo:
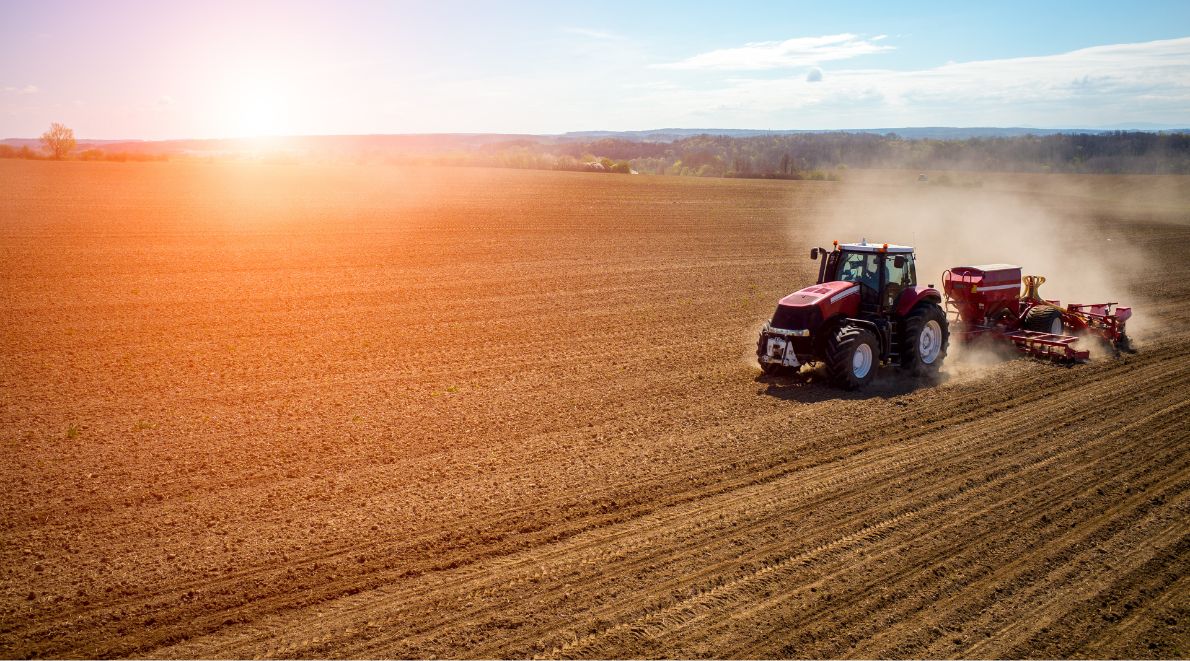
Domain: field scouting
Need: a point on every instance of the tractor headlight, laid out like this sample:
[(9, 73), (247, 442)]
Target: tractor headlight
[(784, 332)]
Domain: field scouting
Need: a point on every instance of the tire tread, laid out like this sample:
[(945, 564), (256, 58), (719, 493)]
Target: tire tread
[(908, 344), (839, 349), (1040, 318)]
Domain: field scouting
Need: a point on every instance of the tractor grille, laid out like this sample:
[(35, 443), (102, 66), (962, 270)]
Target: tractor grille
[(797, 318)]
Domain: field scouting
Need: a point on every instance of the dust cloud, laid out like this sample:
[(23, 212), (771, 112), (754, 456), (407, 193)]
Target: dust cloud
[(954, 226), (1052, 231), (975, 360)]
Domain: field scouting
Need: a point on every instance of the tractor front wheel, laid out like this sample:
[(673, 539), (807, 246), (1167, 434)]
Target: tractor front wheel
[(852, 355), (925, 336)]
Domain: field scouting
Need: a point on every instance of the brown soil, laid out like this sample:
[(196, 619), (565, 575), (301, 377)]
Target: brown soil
[(294, 411)]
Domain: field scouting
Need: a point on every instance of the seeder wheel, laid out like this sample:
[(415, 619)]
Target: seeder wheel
[(1044, 319)]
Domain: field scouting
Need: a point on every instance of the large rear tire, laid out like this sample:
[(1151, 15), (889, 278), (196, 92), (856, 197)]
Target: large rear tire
[(852, 356), (925, 336), (1044, 319)]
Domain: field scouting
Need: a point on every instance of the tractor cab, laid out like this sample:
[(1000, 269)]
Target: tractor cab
[(883, 271)]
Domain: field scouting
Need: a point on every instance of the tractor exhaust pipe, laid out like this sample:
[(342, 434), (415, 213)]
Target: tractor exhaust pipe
[(820, 255)]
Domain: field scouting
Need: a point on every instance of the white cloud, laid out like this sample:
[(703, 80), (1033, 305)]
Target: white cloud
[(27, 89), (1091, 86), (791, 53)]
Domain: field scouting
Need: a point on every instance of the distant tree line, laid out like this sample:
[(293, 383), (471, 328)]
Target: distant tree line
[(90, 154), (810, 155), (781, 156), (58, 142), (822, 155)]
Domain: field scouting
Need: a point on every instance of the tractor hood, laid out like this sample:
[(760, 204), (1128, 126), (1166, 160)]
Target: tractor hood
[(807, 308), (815, 294)]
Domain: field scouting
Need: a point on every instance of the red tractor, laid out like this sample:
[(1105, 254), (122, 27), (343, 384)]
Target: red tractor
[(865, 310)]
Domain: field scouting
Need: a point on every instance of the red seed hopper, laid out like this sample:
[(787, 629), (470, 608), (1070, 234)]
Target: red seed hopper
[(987, 300)]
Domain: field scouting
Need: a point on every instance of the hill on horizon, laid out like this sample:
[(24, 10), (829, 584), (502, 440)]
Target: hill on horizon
[(645, 135), (695, 152)]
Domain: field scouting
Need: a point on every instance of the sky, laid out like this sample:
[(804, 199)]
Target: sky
[(178, 69)]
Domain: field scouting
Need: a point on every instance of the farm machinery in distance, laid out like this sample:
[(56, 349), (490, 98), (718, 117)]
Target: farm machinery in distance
[(867, 309)]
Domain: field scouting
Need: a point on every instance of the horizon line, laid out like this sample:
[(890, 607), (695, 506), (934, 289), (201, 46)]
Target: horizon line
[(1123, 126)]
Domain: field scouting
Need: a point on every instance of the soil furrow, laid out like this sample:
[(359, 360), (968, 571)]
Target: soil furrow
[(912, 535), (325, 411)]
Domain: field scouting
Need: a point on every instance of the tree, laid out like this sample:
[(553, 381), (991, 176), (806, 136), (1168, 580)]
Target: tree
[(59, 140)]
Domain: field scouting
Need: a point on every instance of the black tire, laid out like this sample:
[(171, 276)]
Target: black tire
[(841, 348), (929, 318), (1044, 319), (766, 368), (1124, 344)]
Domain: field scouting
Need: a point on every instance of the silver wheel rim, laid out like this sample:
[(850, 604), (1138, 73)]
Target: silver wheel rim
[(1056, 326), (861, 361), (929, 343)]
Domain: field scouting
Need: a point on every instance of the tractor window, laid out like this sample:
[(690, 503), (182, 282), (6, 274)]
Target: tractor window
[(896, 278), (860, 267), (899, 276)]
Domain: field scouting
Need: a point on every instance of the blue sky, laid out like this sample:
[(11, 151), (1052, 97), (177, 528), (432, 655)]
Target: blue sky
[(215, 69)]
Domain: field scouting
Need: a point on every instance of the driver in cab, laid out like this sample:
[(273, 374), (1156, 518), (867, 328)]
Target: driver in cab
[(863, 269)]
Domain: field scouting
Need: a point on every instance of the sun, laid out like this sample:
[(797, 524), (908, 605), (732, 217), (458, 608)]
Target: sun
[(258, 116), (255, 108)]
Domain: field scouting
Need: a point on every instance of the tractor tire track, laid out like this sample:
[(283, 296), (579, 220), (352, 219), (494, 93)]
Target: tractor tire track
[(992, 431)]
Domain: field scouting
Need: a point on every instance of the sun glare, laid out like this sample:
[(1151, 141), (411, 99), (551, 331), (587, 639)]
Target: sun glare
[(258, 116), (254, 108)]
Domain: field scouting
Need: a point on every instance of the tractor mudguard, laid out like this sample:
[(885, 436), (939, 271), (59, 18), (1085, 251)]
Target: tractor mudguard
[(911, 296), (879, 327)]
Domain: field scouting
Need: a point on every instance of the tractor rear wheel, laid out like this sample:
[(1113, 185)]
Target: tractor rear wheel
[(852, 355), (1044, 319), (925, 336)]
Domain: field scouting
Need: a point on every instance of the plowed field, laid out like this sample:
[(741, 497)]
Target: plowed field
[(346, 411)]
